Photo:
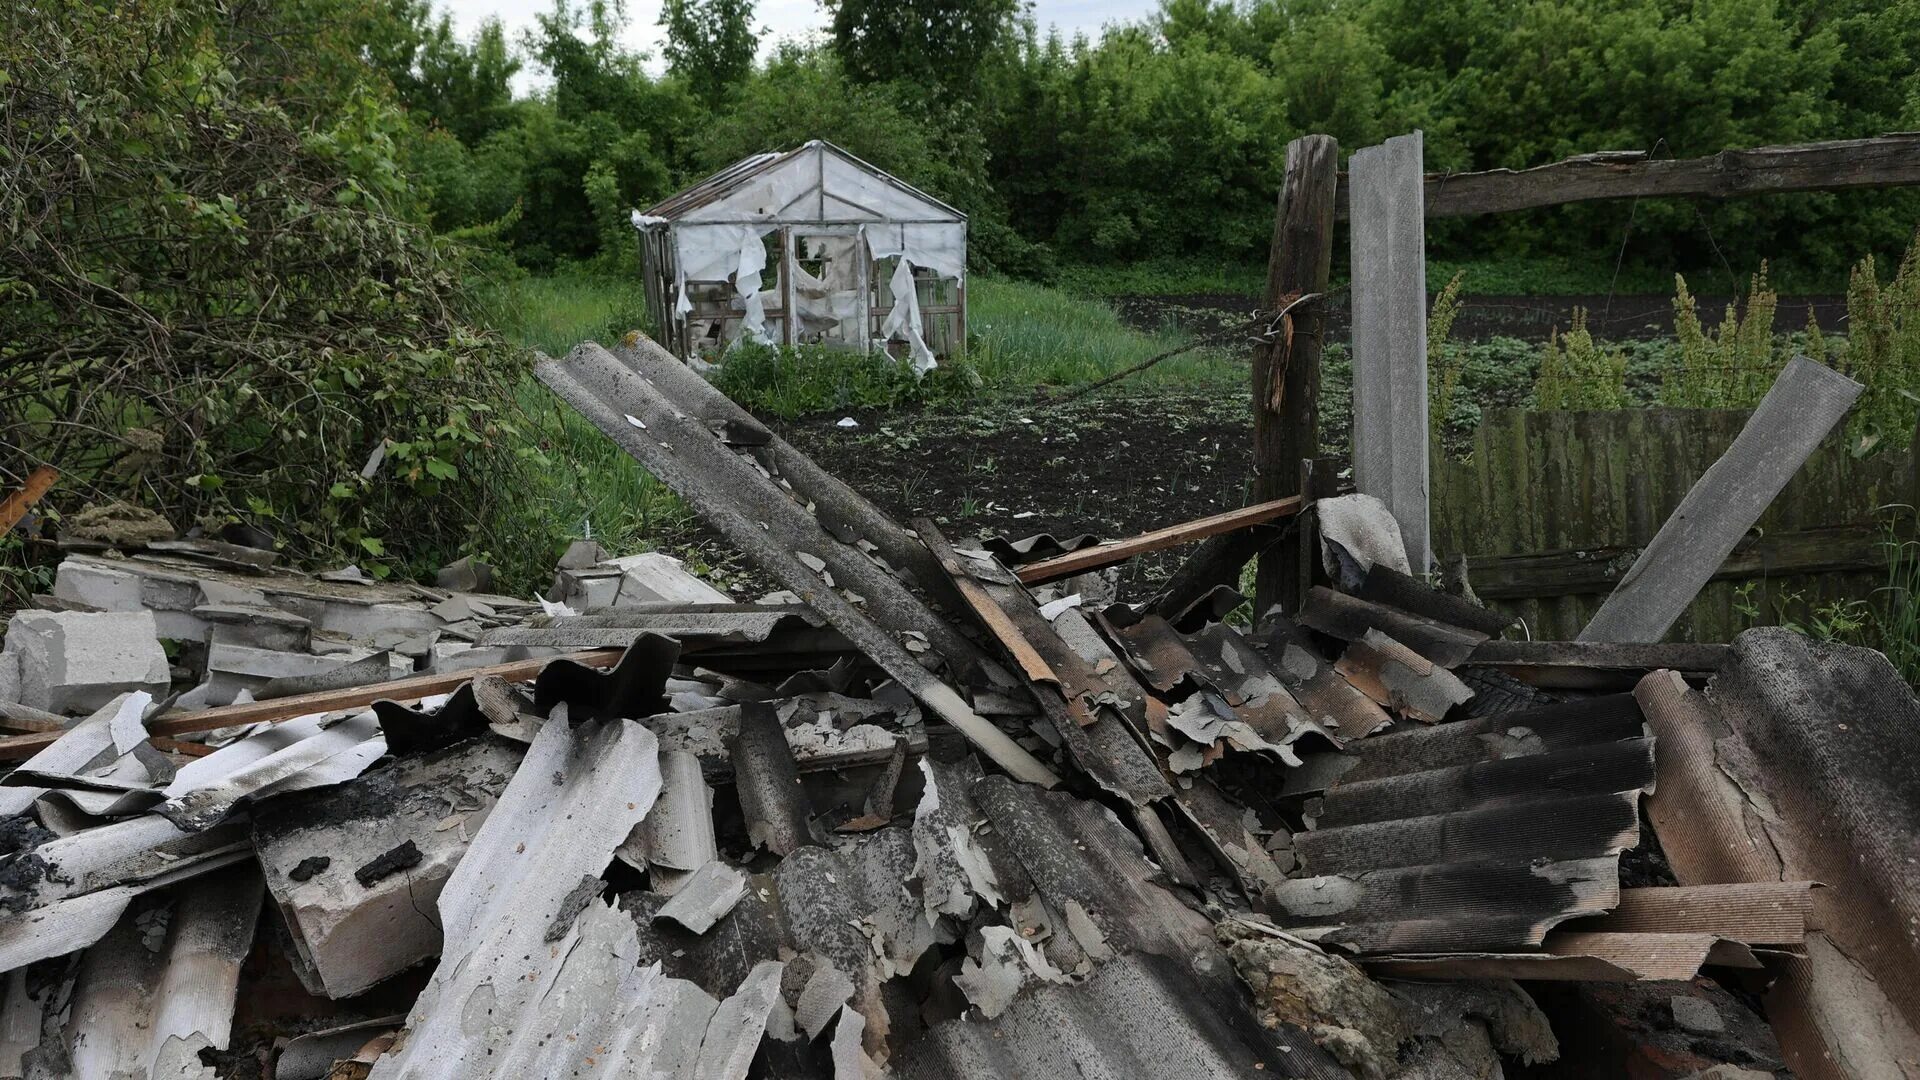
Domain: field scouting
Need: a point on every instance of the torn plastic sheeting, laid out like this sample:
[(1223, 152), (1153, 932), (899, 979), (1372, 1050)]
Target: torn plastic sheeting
[(717, 252), (940, 248)]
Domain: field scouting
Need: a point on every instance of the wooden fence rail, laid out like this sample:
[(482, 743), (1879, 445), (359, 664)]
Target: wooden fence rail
[(1552, 507), (1886, 161)]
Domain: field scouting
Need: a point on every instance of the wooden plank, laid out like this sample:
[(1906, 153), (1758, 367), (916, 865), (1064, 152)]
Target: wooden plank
[(1286, 371), (1886, 161), (17, 503), (1390, 429), (1805, 403), (412, 688), (1118, 551)]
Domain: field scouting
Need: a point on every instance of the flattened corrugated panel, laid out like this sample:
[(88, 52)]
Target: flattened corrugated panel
[(511, 911)]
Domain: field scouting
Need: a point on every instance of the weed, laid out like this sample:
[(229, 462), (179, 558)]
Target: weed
[(1443, 356), (1577, 373), (1883, 348)]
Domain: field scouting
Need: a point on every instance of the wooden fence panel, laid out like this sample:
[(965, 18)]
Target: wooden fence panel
[(1552, 507)]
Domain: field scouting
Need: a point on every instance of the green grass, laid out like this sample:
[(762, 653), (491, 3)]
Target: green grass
[(1546, 275), (1022, 336), (553, 314), (1163, 277), (1026, 335), (575, 482)]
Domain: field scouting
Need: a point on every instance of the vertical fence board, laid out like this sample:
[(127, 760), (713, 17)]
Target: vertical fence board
[(1545, 482)]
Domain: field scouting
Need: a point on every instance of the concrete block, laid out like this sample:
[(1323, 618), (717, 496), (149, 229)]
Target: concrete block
[(584, 589), (654, 577), (255, 626), (110, 588), (76, 662), (354, 930), (362, 621), (582, 554)]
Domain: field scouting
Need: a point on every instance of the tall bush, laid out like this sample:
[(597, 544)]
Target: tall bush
[(216, 299)]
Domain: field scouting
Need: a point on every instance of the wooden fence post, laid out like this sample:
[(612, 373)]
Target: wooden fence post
[(1286, 371)]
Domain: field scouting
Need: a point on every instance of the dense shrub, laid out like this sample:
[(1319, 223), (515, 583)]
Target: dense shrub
[(215, 297)]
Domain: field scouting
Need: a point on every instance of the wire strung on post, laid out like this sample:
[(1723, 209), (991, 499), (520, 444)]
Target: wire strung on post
[(1262, 329)]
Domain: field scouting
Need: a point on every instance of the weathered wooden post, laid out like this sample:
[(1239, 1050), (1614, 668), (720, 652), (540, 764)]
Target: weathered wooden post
[(1388, 227), (1286, 370)]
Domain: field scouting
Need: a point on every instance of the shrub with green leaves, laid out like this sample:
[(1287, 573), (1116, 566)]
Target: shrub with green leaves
[(216, 299)]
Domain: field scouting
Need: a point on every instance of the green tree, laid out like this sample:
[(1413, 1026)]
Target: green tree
[(465, 88), (937, 45), (710, 44)]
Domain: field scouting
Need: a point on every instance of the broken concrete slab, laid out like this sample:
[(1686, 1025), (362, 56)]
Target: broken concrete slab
[(76, 662), (350, 936), (255, 626), (656, 577)]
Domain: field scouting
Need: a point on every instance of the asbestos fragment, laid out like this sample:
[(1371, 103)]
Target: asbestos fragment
[(768, 782), (677, 835), (705, 897), (1401, 679), (1007, 962), (949, 865)]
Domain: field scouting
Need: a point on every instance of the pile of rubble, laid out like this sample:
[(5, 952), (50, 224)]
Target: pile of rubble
[(938, 809)]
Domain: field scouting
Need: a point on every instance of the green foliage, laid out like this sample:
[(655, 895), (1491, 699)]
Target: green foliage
[(1024, 335), (1883, 348), (710, 44), (936, 44), (459, 86), (1896, 625), (1443, 357), (1578, 373), (1732, 366), (813, 379), (218, 305)]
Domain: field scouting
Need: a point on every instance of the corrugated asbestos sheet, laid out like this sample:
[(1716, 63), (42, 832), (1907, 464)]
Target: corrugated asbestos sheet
[(1479, 835)]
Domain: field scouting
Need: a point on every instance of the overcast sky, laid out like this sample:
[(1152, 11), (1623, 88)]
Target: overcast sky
[(782, 19)]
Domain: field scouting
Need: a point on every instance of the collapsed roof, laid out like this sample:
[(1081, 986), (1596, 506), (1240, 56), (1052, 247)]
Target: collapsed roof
[(917, 818)]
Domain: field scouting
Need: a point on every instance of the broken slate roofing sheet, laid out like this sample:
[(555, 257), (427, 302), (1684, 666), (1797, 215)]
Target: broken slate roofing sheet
[(1477, 835)]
